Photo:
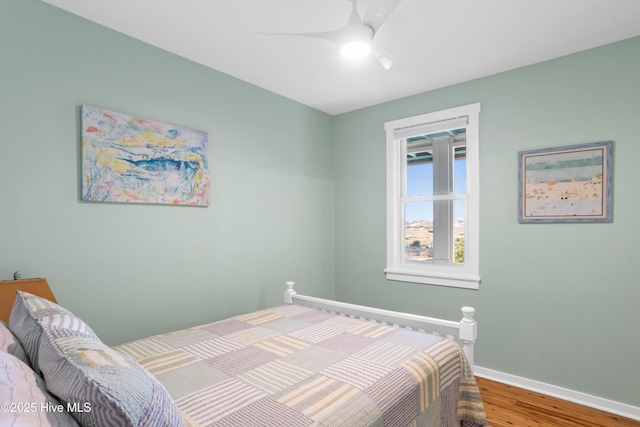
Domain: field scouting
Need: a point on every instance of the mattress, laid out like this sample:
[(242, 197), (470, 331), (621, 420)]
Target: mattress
[(296, 366)]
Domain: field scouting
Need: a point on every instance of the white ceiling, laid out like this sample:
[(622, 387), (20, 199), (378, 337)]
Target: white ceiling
[(435, 43)]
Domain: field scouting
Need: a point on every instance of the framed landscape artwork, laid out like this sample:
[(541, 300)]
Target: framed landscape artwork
[(566, 184), (129, 159)]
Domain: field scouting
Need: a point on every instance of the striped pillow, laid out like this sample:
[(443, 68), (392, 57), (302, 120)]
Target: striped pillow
[(102, 387), (24, 319)]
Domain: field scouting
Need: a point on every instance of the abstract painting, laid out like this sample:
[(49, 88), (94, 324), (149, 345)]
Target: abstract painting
[(129, 159), (566, 184)]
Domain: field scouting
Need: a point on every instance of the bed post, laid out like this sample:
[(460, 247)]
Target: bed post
[(468, 332), (289, 293)]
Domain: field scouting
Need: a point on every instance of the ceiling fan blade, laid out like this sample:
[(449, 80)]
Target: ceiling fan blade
[(336, 36), (381, 55), (378, 13), (357, 34)]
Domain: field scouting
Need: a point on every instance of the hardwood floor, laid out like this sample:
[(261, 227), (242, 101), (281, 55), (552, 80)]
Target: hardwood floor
[(509, 406)]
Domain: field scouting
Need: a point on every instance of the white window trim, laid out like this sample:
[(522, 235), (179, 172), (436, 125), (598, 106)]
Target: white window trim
[(466, 275)]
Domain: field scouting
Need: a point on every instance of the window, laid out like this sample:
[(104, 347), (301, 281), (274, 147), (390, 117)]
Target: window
[(432, 198)]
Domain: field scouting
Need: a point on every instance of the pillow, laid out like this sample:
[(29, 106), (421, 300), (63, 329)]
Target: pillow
[(24, 319), (25, 400), (102, 387), (10, 344)]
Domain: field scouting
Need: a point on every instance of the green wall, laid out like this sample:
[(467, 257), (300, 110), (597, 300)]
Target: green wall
[(557, 302), (286, 179), (133, 270)]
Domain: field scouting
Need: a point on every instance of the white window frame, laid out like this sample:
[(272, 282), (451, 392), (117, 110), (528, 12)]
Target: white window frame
[(467, 274)]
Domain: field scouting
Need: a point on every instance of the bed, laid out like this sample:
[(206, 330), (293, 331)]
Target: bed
[(308, 362)]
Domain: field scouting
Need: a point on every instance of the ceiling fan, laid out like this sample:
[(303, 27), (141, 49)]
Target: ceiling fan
[(356, 39)]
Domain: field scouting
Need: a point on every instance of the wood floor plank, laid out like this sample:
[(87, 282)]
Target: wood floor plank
[(509, 406)]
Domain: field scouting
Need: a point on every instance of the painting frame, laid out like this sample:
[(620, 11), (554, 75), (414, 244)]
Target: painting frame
[(568, 184), (128, 159)]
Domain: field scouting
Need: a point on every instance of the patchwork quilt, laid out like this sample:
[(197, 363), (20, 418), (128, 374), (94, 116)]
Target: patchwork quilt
[(296, 366)]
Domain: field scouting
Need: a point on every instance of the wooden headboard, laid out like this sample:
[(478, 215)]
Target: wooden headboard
[(8, 290)]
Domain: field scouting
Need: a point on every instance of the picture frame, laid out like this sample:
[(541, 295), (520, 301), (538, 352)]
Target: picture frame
[(128, 159), (569, 184)]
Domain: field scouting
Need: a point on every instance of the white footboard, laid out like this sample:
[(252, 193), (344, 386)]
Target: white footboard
[(463, 332)]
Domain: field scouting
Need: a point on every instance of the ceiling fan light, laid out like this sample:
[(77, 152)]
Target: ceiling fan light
[(355, 50)]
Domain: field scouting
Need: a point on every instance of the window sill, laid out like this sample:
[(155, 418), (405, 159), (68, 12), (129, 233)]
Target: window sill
[(467, 281)]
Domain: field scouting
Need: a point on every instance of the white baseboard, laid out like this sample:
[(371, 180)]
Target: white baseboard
[(606, 405)]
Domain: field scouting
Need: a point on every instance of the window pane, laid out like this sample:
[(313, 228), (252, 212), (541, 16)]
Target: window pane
[(458, 232), (460, 170), (419, 167), (420, 180), (418, 231)]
